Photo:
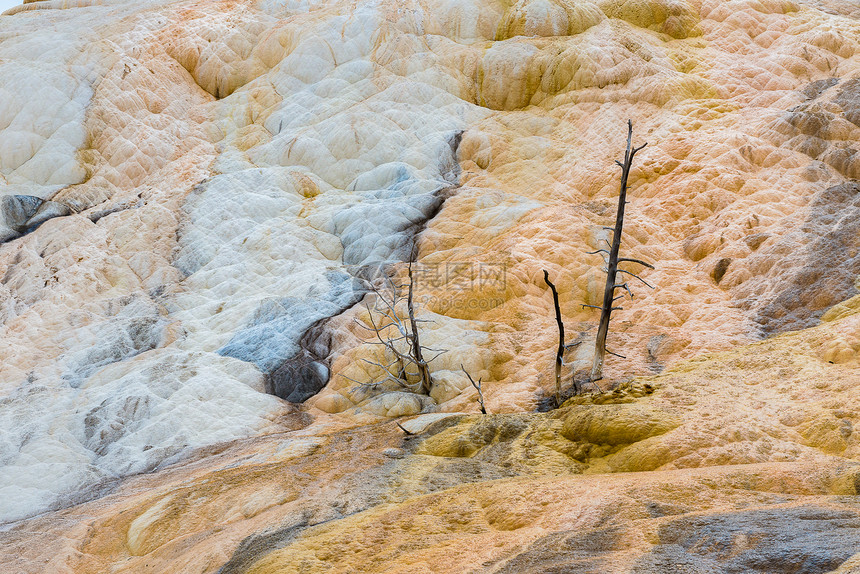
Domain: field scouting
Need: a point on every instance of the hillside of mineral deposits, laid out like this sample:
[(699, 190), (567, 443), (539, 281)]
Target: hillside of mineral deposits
[(197, 195)]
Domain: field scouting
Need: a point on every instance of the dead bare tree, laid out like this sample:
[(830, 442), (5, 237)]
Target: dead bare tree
[(417, 353), (612, 260), (477, 388), (559, 356), (399, 336)]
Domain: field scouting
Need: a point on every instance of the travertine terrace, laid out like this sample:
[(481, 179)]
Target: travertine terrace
[(193, 193)]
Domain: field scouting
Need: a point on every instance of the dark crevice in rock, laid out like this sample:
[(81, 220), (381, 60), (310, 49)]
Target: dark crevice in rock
[(95, 216), (720, 269), (382, 225), (451, 165), (306, 373), (22, 214), (279, 324), (547, 402)]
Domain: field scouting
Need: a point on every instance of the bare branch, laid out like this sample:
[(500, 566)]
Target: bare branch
[(436, 356), (395, 333), (408, 433), (376, 384), (477, 388), (637, 277), (359, 382), (639, 261), (625, 287), (388, 376), (368, 361), (616, 354), (388, 341), (592, 306), (381, 327)]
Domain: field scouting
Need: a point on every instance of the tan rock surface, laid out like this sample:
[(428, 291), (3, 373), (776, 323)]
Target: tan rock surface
[(672, 468), (192, 192)]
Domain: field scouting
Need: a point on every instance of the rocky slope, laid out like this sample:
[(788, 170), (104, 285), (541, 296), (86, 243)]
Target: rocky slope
[(192, 195)]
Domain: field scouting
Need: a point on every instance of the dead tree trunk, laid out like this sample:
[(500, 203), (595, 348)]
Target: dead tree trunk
[(612, 262), (559, 356), (423, 367), (477, 388), (399, 338)]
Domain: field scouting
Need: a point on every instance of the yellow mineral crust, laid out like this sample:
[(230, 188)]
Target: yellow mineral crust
[(737, 441)]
